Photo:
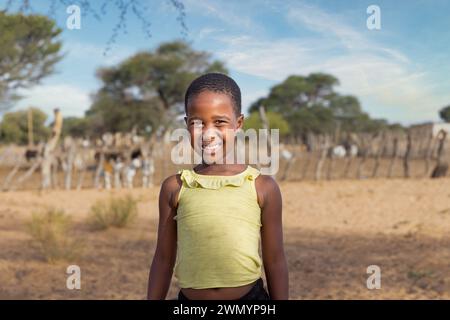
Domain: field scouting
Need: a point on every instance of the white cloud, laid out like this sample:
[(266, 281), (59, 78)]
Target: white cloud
[(72, 101), (318, 20), (205, 32), (96, 53), (383, 78), (270, 59), (226, 13)]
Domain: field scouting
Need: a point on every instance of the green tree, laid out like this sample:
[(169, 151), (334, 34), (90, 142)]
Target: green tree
[(310, 104), (316, 119), (297, 92), (350, 117), (363, 123), (148, 88), (444, 113), (275, 120), (29, 50), (14, 126), (302, 102), (108, 114), (76, 127), (345, 107)]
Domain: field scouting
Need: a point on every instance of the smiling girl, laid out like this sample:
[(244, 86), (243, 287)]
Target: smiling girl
[(213, 218)]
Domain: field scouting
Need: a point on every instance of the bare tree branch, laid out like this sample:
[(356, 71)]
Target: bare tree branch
[(98, 9)]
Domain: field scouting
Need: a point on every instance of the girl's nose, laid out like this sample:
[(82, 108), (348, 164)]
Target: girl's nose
[(208, 126), (210, 134)]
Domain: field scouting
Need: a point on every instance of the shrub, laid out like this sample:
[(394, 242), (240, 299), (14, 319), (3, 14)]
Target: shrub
[(115, 212), (50, 232)]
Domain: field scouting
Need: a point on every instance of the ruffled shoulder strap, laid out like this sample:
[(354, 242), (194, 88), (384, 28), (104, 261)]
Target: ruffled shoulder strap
[(194, 180)]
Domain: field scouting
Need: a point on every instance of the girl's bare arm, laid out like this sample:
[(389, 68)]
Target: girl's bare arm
[(274, 259), (166, 247)]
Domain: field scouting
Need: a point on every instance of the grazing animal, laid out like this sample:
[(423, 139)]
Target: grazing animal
[(338, 151), (31, 154)]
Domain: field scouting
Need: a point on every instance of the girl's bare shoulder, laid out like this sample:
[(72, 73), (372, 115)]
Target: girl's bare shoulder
[(266, 188), (170, 188), (172, 182), (266, 182)]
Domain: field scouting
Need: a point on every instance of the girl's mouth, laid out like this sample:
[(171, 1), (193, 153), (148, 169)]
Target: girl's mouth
[(212, 147)]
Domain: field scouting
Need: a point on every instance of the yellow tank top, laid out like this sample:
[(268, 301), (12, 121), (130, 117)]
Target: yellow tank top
[(218, 229)]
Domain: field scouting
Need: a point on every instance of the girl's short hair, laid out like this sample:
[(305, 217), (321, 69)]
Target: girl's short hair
[(216, 82)]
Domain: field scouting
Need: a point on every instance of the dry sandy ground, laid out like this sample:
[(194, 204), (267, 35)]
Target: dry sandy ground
[(333, 231)]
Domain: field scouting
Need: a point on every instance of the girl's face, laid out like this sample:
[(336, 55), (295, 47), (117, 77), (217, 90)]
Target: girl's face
[(212, 121)]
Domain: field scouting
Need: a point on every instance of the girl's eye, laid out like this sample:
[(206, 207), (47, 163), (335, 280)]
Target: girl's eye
[(196, 123), (220, 121)]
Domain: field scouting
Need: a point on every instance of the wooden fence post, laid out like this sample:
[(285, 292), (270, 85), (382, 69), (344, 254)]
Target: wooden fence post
[(381, 146), (324, 149), (428, 153), (442, 166), (49, 149), (407, 156), (394, 156)]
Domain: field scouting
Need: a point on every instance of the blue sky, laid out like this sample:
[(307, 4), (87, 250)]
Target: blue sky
[(400, 72)]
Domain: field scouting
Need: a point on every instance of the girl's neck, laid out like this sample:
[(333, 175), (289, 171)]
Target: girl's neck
[(220, 169)]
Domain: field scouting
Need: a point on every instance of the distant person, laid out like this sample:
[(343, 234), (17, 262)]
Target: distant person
[(212, 217)]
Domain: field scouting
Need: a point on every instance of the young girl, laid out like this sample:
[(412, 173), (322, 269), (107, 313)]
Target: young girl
[(213, 217)]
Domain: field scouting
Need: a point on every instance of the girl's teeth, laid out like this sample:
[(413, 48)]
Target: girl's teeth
[(208, 147)]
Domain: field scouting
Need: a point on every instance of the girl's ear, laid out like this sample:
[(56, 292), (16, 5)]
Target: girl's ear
[(240, 121)]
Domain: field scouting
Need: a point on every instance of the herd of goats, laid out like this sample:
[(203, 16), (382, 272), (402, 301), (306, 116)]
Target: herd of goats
[(115, 160)]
